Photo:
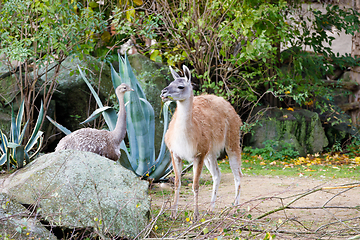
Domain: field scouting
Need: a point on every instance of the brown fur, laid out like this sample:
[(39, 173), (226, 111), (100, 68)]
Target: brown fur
[(200, 129)]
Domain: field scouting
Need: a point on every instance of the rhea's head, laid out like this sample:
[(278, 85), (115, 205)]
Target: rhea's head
[(122, 88)]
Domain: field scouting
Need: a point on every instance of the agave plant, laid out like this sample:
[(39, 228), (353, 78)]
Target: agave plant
[(139, 156), (13, 150)]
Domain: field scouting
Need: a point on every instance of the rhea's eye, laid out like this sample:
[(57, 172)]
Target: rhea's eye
[(181, 87)]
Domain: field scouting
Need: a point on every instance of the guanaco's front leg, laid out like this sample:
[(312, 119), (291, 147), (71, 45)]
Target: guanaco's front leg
[(177, 165), (197, 167)]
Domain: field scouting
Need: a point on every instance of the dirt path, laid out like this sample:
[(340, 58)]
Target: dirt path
[(261, 194)]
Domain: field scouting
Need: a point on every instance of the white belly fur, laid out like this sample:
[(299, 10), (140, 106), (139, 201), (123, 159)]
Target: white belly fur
[(182, 147)]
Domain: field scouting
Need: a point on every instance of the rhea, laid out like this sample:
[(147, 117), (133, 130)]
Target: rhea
[(200, 129), (103, 142)]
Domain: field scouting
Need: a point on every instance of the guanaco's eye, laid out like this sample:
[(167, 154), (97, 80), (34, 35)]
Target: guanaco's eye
[(181, 87)]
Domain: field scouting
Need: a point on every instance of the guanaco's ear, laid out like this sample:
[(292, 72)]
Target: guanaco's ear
[(173, 73), (187, 73)]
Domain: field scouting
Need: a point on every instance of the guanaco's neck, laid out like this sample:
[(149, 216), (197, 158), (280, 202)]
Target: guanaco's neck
[(120, 128), (184, 118)]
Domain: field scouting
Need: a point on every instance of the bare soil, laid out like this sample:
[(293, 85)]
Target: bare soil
[(332, 211)]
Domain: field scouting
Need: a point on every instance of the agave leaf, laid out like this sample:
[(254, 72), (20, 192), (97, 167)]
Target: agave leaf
[(3, 159), (97, 99), (59, 126), (163, 162), (108, 118), (14, 136), (115, 77), (27, 158), (21, 138), (39, 144), (161, 168), (134, 154), (124, 160), (8, 157), (13, 145), (163, 147), (138, 119), (19, 155), (150, 123), (4, 142), (35, 134), (110, 111), (127, 158), (127, 75), (19, 118), (32, 143), (133, 79)]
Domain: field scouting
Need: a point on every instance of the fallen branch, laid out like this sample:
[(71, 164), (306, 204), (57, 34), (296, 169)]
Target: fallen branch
[(287, 206)]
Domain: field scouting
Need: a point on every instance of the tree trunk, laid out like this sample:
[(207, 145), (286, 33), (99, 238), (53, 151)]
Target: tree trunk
[(355, 72)]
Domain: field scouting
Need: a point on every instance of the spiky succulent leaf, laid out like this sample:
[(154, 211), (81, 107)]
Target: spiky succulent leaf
[(59, 126), (3, 142), (36, 132), (14, 131), (19, 118), (3, 148), (19, 155), (39, 142), (108, 110), (108, 118), (21, 137), (3, 159)]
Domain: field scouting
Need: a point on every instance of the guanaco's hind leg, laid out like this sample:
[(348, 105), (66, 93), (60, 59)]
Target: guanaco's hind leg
[(177, 165), (235, 165), (212, 166)]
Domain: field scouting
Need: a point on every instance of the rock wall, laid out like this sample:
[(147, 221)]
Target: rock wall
[(302, 128)]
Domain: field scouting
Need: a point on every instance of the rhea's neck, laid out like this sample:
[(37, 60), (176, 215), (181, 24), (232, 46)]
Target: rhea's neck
[(120, 128)]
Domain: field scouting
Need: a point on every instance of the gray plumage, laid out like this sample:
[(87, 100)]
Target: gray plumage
[(103, 142)]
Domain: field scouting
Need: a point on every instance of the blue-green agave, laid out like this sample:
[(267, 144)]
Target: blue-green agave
[(12, 150), (139, 156)]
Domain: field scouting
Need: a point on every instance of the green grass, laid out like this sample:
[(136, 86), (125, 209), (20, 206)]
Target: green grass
[(316, 167)]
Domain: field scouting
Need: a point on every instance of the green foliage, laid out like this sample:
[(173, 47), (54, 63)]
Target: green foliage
[(234, 47), (274, 150), (29, 28), (13, 150), (354, 147), (36, 36)]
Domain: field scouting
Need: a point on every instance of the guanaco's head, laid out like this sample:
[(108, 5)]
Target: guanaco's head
[(122, 88), (179, 89)]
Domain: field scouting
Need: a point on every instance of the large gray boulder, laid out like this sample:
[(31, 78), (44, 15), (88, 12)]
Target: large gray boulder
[(75, 189), (302, 128), (8, 91), (16, 222), (9, 87)]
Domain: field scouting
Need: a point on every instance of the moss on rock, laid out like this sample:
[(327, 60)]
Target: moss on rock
[(300, 127)]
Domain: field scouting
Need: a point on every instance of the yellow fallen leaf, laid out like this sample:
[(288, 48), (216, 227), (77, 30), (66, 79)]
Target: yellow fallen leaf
[(138, 2), (130, 13), (290, 109), (262, 163)]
